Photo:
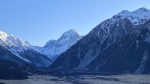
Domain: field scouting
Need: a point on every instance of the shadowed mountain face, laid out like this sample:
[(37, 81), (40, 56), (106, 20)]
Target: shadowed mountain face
[(117, 45), (130, 54)]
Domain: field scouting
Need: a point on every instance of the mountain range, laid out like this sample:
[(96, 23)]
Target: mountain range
[(18, 58), (120, 44), (117, 45)]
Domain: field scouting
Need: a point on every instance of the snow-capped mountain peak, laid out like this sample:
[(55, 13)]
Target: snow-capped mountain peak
[(143, 9), (137, 17), (72, 31), (10, 40), (20, 50), (137, 13), (124, 12), (54, 48), (3, 35), (70, 34)]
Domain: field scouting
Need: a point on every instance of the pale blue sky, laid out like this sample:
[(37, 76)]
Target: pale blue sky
[(38, 21)]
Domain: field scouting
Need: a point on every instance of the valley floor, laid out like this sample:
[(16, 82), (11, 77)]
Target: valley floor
[(83, 79)]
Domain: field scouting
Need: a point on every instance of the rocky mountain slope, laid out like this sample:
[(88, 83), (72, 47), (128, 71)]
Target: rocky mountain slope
[(117, 45)]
